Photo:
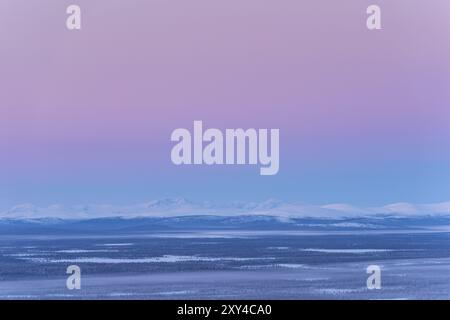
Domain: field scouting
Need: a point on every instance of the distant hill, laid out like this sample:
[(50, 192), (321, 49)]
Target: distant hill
[(146, 225)]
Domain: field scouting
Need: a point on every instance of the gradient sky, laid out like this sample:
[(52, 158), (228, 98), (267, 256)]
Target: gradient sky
[(86, 116)]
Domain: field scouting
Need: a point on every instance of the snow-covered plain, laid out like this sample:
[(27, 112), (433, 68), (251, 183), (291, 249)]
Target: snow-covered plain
[(221, 258)]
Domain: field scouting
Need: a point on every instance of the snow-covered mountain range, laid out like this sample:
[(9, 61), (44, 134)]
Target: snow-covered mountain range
[(178, 207)]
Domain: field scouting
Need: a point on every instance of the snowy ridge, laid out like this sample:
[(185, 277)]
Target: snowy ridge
[(179, 207)]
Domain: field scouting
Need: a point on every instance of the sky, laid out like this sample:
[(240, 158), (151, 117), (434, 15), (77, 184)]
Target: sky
[(86, 116)]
